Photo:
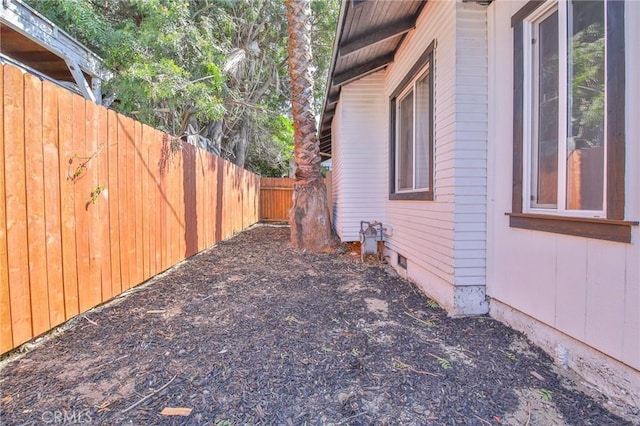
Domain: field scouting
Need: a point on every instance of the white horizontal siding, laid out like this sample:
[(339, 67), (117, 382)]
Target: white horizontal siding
[(337, 168), (363, 177), (471, 138), (424, 230)]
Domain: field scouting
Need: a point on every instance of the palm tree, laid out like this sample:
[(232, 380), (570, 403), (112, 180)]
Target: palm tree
[(309, 217)]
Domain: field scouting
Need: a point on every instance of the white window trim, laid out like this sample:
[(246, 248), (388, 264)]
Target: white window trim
[(530, 115)]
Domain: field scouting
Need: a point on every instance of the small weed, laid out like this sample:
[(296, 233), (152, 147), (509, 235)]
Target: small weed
[(93, 198), (224, 423), (399, 365), (510, 355), (355, 352), (547, 395), (291, 319), (81, 168), (432, 304), (429, 324), (480, 395), (336, 320), (444, 363)]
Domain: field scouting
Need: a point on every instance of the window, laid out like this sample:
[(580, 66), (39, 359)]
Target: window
[(411, 104), (569, 141)]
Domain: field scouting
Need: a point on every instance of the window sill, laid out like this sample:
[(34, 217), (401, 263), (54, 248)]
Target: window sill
[(424, 195), (601, 229)]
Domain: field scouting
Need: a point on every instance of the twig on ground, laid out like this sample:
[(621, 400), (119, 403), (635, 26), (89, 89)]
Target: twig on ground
[(482, 420), (528, 414), (131, 407), (102, 365), (351, 417), (405, 366), (426, 324), (90, 321)]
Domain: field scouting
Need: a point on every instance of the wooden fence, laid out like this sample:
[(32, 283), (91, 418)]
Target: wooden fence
[(275, 199), (94, 203)]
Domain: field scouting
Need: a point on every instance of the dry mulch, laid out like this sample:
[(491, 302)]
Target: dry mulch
[(254, 332)]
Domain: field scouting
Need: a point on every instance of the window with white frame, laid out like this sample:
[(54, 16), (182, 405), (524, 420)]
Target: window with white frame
[(569, 140), (411, 103), (566, 131)]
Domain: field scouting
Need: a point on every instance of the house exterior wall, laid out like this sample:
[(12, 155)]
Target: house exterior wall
[(578, 298), (336, 171), (444, 240), (360, 187)]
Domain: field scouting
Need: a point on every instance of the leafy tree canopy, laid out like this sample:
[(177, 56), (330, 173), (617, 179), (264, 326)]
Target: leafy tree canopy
[(211, 70)]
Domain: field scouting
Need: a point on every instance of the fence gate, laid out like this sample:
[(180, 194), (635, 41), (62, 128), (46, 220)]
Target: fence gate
[(276, 199)]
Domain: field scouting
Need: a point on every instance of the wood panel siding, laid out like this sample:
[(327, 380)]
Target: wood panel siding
[(582, 287)]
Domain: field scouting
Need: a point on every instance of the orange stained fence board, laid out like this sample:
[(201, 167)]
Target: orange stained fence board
[(136, 183), (6, 339), (34, 169), (16, 206), (92, 204), (102, 202), (146, 202), (219, 198), (180, 206), (155, 164), (154, 216), (164, 211), (189, 182), (67, 203), (173, 195), (152, 189), (123, 205), (82, 163), (113, 197), (52, 202), (129, 183), (211, 185), (199, 199)]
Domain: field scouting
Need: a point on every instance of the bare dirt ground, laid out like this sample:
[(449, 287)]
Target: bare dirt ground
[(253, 332)]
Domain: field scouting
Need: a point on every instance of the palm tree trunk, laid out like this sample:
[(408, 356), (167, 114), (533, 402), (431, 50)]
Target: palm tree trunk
[(309, 217)]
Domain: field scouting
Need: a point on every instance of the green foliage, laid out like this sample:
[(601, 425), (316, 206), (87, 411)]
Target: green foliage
[(270, 157), (588, 93), (218, 67)]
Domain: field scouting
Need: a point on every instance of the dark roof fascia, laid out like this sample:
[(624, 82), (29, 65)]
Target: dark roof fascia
[(330, 101), (379, 35), (363, 70)]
